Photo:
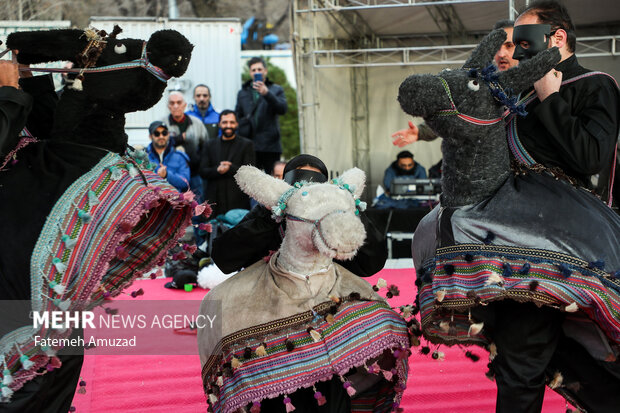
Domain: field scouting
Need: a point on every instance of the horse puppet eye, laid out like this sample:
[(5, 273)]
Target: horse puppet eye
[(473, 85), (120, 49)]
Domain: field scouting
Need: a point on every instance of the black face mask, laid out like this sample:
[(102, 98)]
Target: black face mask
[(298, 175), (537, 35)]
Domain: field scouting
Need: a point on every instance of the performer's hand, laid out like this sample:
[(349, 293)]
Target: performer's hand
[(260, 88), (224, 167), (548, 84), (9, 72), (162, 171), (405, 136)]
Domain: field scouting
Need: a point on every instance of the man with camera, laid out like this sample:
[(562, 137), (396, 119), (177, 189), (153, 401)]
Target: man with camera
[(259, 104)]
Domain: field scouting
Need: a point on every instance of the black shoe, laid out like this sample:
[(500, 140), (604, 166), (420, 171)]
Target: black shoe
[(172, 285)]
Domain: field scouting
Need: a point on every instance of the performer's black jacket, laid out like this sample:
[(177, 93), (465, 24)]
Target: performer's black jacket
[(576, 128), (257, 234)]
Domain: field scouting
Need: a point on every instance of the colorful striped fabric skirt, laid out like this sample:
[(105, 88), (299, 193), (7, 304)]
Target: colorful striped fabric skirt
[(536, 240), (360, 341), (110, 226)]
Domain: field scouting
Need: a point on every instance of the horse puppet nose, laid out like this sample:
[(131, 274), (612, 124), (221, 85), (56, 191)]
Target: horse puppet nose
[(339, 235), (422, 95)]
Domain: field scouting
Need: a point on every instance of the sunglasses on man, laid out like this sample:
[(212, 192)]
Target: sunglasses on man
[(162, 133)]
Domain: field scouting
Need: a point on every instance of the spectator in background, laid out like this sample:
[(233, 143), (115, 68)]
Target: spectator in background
[(188, 134), (221, 158), (203, 110), (172, 165), (403, 165), (503, 58), (259, 103), (278, 169)]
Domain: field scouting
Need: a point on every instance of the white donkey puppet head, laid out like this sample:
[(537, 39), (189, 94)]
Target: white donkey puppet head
[(322, 218)]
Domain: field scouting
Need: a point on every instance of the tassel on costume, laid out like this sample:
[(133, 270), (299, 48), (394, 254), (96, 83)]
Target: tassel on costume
[(387, 374), (348, 387), (556, 381), (92, 198), (26, 363), (261, 351), (320, 399), (235, 363), (133, 172), (115, 173), (6, 392), (82, 389), (255, 407), (316, 336), (7, 378), (573, 307), (494, 279), (525, 269), (84, 216), (58, 288), (565, 270), (475, 329), (62, 305), (60, 266), (288, 404), (507, 270), (68, 241), (374, 368)]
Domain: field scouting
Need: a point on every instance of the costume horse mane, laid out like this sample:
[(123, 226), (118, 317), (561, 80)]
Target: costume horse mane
[(85, 214), (298, 331), (519, 233)]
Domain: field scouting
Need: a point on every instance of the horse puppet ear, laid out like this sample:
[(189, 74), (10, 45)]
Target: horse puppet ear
[(47, 45), (523, 76), (355, 178), (484, 53), (262, 187)]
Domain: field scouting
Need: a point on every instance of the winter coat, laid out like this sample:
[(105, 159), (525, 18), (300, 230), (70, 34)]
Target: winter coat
[(176, 163), (261, 126)]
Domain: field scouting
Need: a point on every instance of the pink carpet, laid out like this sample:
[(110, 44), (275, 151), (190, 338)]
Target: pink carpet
[(172, 383)]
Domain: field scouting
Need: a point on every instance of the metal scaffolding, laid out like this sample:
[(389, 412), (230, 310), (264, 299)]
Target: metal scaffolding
[(596, 46)]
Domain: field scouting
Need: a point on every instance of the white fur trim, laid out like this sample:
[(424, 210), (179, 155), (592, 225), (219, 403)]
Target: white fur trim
[(211, 276)]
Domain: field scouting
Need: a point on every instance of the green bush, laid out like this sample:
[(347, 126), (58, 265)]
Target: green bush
[(289, 123)]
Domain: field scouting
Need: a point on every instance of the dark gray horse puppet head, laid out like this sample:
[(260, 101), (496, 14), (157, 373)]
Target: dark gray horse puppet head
[(92, 111), (466, 107)]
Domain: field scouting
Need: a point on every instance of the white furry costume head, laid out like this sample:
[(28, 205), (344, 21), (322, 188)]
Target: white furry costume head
[(321, 218)]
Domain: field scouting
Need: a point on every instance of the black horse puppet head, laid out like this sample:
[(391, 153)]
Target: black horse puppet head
[(119, 76), (466, 108)]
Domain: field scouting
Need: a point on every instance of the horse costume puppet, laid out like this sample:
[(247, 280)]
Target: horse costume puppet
[(84, 214), (300, 332), (524, 234)]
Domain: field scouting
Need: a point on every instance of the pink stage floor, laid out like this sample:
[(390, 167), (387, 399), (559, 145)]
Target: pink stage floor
[(117, 383)]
